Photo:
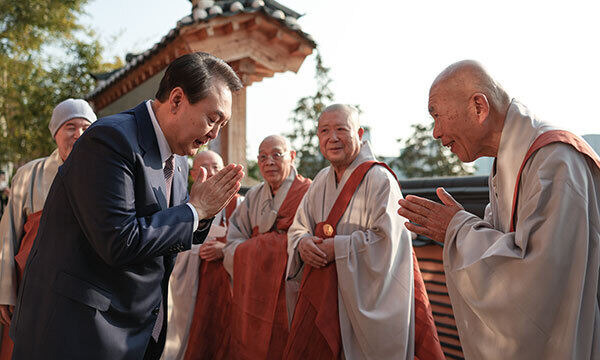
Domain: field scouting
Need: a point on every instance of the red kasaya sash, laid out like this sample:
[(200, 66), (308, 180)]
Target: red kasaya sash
[(210, 331), (544, 139), (259, 327), (315, 330), (30, 228)]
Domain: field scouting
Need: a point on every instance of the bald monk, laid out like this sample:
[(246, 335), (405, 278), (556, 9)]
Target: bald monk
[(523, 280), (203, 334), (256, 254), (350, 261)]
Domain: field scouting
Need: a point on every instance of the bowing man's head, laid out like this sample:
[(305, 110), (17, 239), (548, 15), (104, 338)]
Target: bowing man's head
[(468, 108), (193, 101), (275, 158), (209, 160), (339, 135)]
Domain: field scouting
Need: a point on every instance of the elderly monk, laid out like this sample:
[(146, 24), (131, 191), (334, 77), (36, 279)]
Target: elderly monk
[(350, 260), (256, 254), (30, 186), (190, 277), (523, 280)]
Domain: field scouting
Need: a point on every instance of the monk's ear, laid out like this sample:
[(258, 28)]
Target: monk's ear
[(361, 131), (481, 106), (176, 98)]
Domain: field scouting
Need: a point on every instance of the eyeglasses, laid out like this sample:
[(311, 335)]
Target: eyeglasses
[(275, 156)]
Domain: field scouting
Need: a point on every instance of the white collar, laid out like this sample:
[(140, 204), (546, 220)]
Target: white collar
[(520, 130), (163, 145)]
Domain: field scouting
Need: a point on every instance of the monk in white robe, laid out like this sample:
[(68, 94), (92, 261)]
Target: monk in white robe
[(30, 187), (523, 280), (183, 283), (369, 250), (256, 254)]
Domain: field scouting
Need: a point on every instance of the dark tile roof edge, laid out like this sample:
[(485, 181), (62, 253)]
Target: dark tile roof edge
[(289, 21)]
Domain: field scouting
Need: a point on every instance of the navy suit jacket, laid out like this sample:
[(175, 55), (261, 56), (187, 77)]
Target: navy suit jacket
[(100, 264)]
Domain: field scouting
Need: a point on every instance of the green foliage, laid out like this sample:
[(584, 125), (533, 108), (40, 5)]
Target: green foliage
[(46, 56), (253, 170), (304, 122), (424, 156)]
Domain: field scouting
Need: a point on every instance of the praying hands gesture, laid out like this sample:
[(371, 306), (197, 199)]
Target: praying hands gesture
[(209, 196), (430, 218)]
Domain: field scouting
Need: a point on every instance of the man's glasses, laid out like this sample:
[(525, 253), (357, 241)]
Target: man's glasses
[(275, 156)]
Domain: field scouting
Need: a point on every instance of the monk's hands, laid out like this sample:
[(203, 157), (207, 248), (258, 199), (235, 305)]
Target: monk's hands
[(328, 248), (211, 250), (432, 218), (6, 314), (310, 252), (209, 196)]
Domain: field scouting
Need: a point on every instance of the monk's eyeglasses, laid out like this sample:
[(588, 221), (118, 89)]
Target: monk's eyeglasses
[(275, 156)]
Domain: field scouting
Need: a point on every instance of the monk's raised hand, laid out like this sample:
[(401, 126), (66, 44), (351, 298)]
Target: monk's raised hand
[(211, 250), (209, 196), (310, 252), (430, 218), (328, 248)]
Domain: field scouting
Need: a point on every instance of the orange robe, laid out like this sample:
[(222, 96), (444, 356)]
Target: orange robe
[(259, 316), (315, 330), (210, 331)]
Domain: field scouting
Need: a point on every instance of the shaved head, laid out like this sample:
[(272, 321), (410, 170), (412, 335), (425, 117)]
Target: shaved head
[(468, 108), (209, 160), (275, 159), (209, 155), (276, 140), (466, 77), (350, 112)]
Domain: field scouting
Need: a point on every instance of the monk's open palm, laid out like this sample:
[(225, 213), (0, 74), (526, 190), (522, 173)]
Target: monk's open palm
[(430, 218)]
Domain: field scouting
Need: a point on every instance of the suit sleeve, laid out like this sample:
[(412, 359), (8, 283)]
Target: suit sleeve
[(101, 178)]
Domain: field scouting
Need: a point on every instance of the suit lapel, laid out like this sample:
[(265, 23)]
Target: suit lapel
[(151, 154)]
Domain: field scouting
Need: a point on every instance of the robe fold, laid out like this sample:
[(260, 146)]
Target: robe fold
[(257, 265), (373, 262), (198, 326), (18, 228), (529, 292)]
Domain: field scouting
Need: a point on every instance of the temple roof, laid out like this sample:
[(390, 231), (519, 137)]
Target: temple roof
[(204, 11)]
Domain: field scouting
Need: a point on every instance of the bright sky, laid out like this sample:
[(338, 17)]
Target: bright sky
[(384, 55)]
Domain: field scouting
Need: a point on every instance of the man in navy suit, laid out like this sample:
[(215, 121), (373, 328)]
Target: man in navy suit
[(95, 284)]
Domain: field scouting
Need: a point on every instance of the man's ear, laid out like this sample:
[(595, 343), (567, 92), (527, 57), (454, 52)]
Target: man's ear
[(176, 97), (292, 154), (361, 131), (481, 106)]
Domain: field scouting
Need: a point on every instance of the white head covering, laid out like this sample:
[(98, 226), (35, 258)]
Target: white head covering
[(70, 109)]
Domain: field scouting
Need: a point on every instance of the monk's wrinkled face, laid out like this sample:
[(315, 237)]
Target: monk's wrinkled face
[(339, 138), (454, 124), (275, 161), (209, 161)]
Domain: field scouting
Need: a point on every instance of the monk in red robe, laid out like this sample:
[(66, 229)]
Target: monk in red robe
[(354, 287), (256, 254), (198, 325)]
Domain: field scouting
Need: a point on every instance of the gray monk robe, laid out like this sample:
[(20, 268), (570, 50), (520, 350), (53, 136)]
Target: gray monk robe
[(373, 260), (256, 257), (18, 227), (531, 293)]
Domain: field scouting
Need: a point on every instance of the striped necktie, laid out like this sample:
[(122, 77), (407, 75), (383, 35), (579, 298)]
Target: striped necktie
[(168, 172)]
